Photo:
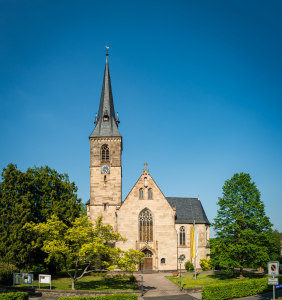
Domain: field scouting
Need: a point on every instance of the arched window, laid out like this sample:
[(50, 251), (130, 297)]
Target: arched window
[(141, 194), (182, 235), (146, 226), (163, 261), (150, 194), (105, 153)]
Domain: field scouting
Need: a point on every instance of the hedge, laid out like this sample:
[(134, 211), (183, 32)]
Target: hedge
[(14, 296), (107, 297), (236, 289)]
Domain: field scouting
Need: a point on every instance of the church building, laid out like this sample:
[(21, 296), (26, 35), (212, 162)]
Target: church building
[(152, 223)]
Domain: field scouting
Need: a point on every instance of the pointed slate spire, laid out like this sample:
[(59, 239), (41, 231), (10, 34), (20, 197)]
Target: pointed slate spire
[(106, 124)]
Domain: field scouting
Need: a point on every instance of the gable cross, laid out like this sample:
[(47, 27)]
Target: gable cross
[(145, 166)]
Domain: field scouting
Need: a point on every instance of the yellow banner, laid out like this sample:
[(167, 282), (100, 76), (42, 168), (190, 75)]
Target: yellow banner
[(193, 244)]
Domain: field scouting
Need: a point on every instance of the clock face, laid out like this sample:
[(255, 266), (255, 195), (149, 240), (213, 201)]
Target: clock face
[(105, 169)]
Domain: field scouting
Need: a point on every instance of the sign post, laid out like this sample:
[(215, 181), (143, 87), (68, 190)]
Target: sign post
[(273, 270), (44, 279)]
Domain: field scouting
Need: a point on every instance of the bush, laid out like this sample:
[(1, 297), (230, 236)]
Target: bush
[(205, 264), (14, 296), (189, 266), (107, 297), (6, 273), (132, 278), (238, 289)]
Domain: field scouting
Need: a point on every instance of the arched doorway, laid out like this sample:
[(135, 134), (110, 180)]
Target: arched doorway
[(148, 263)]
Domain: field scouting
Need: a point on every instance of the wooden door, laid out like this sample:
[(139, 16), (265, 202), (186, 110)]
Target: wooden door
[(148, 263)]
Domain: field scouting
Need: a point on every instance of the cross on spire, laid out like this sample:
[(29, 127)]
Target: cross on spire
[(145, 166)]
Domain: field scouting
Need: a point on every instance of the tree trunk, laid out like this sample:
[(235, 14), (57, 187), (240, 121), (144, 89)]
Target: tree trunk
[(241, 272), (73, 285)]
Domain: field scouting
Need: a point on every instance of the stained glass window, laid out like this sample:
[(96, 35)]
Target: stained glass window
[(182, 235), (146, 226)]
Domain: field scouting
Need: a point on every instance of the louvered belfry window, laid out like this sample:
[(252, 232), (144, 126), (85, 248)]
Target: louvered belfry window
[(105, 153), (182, 235), (146, 226)]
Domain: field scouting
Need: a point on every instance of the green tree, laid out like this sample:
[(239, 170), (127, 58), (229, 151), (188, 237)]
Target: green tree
[(83, 210), (242, 229), (34, 195), (130, 259), (77, 245), (277, 236)]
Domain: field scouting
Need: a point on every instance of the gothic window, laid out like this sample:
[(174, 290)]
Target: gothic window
[(150, 194), (146, 226), (163, 261), (105, 153), (182, 235), (141, 194)]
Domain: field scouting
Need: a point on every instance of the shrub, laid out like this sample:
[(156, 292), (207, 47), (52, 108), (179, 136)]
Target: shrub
[(236, 289), (14, 296), (6, 273), (205, 264), (107, 297), (189, 266), (132, 278)]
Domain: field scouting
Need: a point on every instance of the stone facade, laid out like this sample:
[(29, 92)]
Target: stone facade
[(165, 245)]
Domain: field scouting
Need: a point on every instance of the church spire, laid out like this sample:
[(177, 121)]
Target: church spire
[(106, 123)]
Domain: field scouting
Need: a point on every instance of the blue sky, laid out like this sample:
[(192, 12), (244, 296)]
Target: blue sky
[(197, 85)]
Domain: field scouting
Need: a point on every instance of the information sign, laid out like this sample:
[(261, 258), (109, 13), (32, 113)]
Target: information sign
[(272, 281), (22, 278), (44, 279), (279, 286), (273, 268)]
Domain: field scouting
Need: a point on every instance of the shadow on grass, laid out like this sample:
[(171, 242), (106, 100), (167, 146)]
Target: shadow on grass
[(106, 284), (224, 276)]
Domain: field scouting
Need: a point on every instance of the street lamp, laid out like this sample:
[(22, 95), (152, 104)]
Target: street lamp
[(180, 259)]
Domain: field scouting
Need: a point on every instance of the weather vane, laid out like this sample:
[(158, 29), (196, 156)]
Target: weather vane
[(107, 50)]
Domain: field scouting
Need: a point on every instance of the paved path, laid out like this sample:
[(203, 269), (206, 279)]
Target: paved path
[(156, 285)]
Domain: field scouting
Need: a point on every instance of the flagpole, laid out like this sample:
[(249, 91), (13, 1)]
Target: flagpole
[(195, 255)]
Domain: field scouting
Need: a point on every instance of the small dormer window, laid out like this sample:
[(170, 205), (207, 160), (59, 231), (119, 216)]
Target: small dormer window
[(106, 116)]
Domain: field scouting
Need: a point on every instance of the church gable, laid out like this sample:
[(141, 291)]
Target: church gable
[(146, 206), (146, 192)]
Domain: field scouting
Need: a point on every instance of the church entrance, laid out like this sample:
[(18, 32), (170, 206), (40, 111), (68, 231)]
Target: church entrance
[(148, 263)]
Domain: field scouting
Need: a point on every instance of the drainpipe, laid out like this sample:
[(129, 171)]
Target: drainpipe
[(177, 252)]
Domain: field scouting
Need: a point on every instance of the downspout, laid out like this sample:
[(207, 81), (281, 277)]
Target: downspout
[(177, 252)]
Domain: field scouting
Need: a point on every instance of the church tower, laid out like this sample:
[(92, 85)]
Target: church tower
[(105, 157)]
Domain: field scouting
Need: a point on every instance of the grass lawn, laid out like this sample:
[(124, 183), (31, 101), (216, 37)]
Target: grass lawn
[(88, 283), (204, 279)]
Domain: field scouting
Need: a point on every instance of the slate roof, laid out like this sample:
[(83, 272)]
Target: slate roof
[(88, 202), (188, 210), (106, 128)]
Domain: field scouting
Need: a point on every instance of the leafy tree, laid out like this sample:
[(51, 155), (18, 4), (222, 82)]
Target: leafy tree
[(241, 226), (277, 236), (130, 259), (34, 195), (80, 244), (83, 210)]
